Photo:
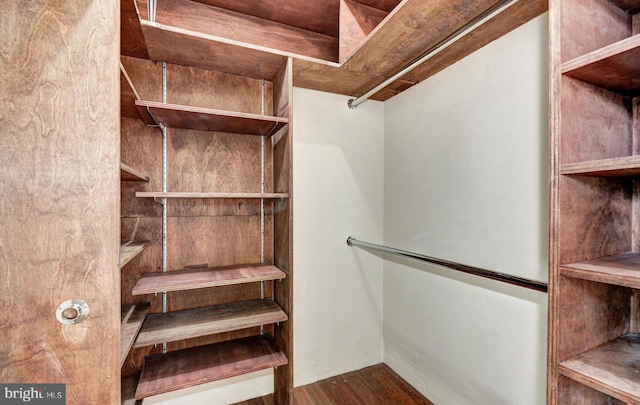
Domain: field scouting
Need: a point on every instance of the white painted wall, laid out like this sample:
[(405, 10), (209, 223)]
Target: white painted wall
[(338, 190), (466, 180)]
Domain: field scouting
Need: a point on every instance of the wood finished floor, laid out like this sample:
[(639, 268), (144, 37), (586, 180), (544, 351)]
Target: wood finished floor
[(369, 386)]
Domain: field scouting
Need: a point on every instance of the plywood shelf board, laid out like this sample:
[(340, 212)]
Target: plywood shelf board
[(180, 194), (132, 319), (613, 368), (208, 119), (128, 173), (199, 365), (190, 323), (622, 269), (128, 95), (615, 167), (180, 280), (615, 67), (129, 250)]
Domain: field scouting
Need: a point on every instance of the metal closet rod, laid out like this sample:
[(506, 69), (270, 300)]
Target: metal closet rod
[(354, 102), (476, 271)]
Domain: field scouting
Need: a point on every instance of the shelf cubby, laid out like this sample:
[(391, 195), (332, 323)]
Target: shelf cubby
[(129, 250), (615, 67), (626, 166), (132, 318), (208, 119), (190, 279), (612, 368), (199, 365), (203, 321)]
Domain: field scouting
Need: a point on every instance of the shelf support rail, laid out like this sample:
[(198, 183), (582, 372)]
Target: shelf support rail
[(476, 271), (455, 37)]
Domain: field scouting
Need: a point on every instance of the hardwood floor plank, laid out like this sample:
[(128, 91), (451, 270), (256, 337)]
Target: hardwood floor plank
[(375, 385)]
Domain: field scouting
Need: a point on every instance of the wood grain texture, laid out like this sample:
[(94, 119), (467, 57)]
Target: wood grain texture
[(217, 90), (243, 28), (206, 119), (599, 127), (128, 96), (58, 216), (282, 144), (613, 368), (615, 67), (615, 167), (595, 214), (316, 16), (196, 322), (132, 319), (131, 37), (236, 196), (630, 6), (145, 76), (128, 173), (190, 279), (587, 25), (575, 393), (190, 367), (371, 385), (129, 250), (591, 314), (623, 269), (357, 21), (129, 385)]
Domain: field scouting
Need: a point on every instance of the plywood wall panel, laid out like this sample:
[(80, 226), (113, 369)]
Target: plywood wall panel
[(146, 77), (587, 25)]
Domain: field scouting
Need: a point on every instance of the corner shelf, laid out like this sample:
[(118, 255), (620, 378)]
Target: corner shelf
[(208, 119), (128, 173), (180, 194), (130, 250), (615, 67), (626, 166), (203, 321), (612, 368), (180, 280), (622, 269), (132, 318), (199, 365)]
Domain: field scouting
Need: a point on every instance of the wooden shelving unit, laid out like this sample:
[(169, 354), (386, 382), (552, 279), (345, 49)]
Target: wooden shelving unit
[(236, 242), (129, 250), (611, 368), (181, 280), (594, 346), (199, 365), (196, 322), (132, 318), (208, 119)]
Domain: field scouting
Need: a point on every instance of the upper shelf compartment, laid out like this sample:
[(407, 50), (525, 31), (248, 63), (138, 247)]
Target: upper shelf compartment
[(208, 119), (615, 67), (630, 6), (627, 166)]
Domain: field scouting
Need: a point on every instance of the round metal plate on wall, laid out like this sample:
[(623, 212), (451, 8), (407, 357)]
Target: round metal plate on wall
[(72, 311)]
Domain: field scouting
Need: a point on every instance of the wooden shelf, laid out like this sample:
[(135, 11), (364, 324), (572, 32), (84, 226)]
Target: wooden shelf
[(180, 194), (613, 368), (130, 250), (132, 319), (199, 365), (622, 269), (128, 96), (208, 119), (128, 385), (615, 67), (630, 6), (152, 283), (190, 323), (128, 173), (616, 167)]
